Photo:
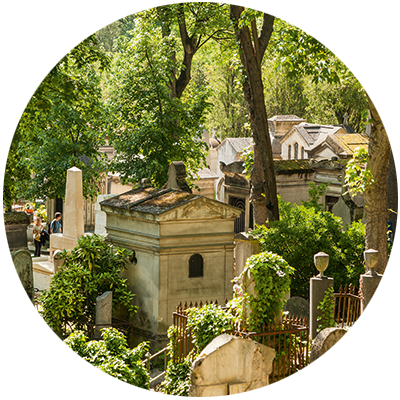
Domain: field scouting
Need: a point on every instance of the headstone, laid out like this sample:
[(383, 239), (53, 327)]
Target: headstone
[(7, 276), (14, 301), (298, 307), (23, 264), (393, 272), (103, 311), (340, 362), (230, 365), (16, 224), (57, 260)]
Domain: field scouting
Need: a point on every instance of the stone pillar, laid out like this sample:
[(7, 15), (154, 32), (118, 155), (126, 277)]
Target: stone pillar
[(245, 247), (103, 311), (73, 212), (369, 282), (318, 286)]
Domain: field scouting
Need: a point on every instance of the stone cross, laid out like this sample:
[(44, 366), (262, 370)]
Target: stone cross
[(103, 311)]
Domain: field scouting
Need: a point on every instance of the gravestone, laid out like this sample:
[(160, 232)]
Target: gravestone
[(340, 362), (103, 311), (245, 247), (16, 224), (23, 277), (230, 365), (57, 260), (18, 276), (298, 307)]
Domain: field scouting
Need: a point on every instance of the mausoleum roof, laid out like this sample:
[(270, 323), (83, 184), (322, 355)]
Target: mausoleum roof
[(159, 201)]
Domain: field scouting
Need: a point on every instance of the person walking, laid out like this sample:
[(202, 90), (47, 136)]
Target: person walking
[(37, 231), (55, 225)]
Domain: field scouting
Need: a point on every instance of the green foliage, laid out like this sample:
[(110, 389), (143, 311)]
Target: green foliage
[(41, 212), (68, 135), (315, 193), (358, 176), (207, 323), (271, 274), (177, 378), (327, 307), (80, 368), (150, 127), (304, 231), (42, 42), (90, 269)]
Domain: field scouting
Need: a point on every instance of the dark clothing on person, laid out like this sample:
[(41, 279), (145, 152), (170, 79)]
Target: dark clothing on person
[(38, 246)]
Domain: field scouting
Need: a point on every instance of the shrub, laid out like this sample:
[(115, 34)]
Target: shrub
[(271, 275), (207, 323), (327, 307), (90, 269), (80, 368), (303, 231)]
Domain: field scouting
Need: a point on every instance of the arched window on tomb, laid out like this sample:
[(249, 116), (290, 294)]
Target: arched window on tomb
[(195, 266), (296, 151), (302, 152), (289, 152)]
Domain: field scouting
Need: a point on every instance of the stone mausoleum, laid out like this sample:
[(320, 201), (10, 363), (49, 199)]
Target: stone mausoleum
[(183, 244)]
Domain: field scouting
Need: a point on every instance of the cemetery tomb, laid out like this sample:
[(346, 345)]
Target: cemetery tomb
[(184, 246)]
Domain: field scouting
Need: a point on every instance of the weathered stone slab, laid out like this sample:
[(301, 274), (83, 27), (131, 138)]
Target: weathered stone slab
[(7, 274), (242, 364), (209, 391), (103, 310), (14, 301), (23, 264), (298, 307), (333, 364)]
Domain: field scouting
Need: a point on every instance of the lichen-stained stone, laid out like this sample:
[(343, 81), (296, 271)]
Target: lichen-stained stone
[(242, 364), (325, 339)]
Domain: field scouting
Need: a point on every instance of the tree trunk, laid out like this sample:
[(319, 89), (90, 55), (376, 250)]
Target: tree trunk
[(252, 48), (378, 91)]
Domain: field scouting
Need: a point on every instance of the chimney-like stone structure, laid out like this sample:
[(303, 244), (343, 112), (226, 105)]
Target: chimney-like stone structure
[(177, 177)]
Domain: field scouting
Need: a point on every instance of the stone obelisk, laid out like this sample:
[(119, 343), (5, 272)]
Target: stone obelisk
[(73, 224)]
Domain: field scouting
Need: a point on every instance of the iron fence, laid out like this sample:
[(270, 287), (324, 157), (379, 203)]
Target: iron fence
[(347, 306), (290, 340)]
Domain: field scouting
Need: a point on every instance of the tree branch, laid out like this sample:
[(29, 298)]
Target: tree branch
[(266, 32)]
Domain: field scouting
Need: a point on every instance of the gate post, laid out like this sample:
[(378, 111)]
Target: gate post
[(370, 280)]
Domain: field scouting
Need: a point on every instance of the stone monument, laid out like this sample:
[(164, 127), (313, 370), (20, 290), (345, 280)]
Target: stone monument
[(73, 227), (103, 311), (230, 365), (23, 264), (325, 339)]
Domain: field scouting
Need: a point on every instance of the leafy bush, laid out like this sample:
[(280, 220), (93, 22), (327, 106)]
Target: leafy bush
[(207, 323), (177, 378), (271, 275), (80, 368), (90, 269), (303, 231)]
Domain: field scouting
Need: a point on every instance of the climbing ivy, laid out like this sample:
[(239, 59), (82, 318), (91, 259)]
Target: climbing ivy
[(271, 275), (327, 306)]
